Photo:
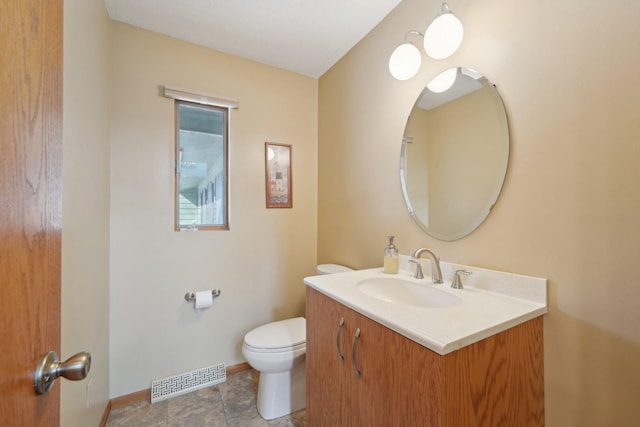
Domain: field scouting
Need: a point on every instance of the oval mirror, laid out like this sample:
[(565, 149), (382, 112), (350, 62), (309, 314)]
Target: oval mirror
[(455, 152)]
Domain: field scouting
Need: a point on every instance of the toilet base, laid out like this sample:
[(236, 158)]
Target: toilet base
[(282, 393)]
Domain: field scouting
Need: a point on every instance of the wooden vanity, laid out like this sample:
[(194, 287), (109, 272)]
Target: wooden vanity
[(497, 381)]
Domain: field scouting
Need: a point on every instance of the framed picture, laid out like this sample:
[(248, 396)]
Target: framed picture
[(278, 175)]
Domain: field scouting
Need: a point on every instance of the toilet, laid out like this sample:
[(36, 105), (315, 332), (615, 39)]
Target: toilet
[(277, 350)]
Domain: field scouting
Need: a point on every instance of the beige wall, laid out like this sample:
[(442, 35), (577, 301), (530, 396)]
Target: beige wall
[(259, 264), (569, 211), (85, 204)]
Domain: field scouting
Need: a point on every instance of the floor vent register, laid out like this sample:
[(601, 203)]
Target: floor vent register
[(176, 385)]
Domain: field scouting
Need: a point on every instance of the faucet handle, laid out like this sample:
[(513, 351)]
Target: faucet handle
[(418, 274), (456, 283)]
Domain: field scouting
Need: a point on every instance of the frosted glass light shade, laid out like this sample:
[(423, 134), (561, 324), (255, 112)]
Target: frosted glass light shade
[(405, 61), (443, 81), (444, 36)]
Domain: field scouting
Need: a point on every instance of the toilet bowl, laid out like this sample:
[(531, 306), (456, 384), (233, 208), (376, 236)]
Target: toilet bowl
[(277, 350)]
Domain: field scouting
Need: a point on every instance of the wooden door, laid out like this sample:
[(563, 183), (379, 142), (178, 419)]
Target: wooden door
[(327, 374), (30, 204), (369, 391)]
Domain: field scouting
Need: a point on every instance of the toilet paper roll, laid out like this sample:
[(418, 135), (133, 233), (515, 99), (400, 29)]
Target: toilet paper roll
[(204, 299)]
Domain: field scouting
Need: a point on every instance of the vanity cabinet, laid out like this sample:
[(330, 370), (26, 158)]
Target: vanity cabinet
[(497, 381)]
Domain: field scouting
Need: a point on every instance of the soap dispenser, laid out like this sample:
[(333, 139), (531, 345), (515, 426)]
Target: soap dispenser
[(391, 260)]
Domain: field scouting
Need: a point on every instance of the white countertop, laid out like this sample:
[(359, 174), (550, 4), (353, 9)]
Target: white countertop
[(492, 302)]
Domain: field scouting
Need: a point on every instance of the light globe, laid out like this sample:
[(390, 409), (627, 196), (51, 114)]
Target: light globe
[(405, 61), (444, 35)]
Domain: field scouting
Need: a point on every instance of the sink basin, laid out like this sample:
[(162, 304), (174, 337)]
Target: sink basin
[(398, 291)]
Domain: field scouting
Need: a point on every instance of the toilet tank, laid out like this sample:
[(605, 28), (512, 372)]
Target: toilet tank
[(332, 268)]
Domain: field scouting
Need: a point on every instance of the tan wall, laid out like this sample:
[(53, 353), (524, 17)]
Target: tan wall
[(259, 264), (85, 205), (567, 72)]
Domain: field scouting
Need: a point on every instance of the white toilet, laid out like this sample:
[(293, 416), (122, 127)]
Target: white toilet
[(277, 350)]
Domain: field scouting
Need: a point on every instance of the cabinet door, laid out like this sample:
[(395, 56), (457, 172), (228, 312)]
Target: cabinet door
[(369, 392), (399, 383), (327, 374)]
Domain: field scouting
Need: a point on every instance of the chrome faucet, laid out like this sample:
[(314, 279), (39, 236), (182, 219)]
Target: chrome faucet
[(436, 273)]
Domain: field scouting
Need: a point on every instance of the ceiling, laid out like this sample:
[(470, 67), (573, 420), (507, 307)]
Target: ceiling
[(303, 36)]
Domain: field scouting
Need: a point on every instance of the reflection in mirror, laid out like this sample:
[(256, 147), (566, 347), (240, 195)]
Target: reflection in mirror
[(455, 152), (201, 166)]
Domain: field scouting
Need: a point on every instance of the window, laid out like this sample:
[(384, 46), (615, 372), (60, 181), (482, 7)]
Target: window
[(201, 199)]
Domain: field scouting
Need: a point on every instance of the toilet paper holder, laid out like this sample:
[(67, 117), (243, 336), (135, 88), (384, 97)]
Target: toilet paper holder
[(191, 296)]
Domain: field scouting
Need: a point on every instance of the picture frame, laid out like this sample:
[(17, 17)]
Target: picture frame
[(278, 182)]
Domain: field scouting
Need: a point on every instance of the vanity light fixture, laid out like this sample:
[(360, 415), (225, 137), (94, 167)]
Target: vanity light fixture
[(406, 59), (444, 35), (441, 40)]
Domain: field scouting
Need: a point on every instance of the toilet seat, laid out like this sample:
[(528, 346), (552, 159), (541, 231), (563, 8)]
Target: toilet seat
[(289, 349), (281, 336)]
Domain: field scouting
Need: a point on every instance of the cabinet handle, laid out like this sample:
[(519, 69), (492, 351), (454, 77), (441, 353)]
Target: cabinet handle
[(340, 326), (356, 337)]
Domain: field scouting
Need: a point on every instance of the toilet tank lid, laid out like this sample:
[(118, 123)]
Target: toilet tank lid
[(332, 268), (283, 333)]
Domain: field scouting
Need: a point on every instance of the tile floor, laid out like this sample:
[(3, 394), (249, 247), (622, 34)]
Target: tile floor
[(230, 404)]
